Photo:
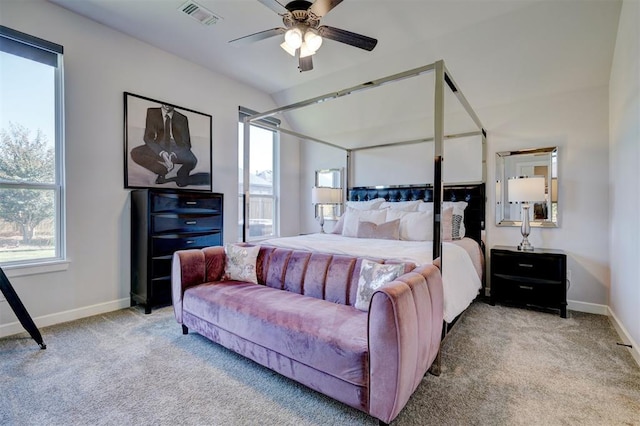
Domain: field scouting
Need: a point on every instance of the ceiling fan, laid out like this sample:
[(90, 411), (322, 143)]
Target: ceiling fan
[(302, 31)]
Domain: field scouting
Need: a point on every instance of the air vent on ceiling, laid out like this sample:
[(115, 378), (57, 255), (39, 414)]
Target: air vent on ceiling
[(199, 13)]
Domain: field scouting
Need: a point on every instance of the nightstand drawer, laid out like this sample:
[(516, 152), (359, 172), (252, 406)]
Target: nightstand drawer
[(524, 265), (529, 293)]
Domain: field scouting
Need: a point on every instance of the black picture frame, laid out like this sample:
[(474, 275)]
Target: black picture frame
[(181, 161)]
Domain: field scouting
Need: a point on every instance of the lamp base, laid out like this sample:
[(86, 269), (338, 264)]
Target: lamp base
[(525, 245)]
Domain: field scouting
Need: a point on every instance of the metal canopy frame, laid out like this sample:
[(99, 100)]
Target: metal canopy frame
[(443, 79)]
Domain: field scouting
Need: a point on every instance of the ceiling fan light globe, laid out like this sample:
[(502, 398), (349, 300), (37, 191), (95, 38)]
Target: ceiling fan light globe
[(293, 37), (288, 49), (306, 51), (313, 40)]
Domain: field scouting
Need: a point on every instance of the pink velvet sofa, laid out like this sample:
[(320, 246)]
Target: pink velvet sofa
[(300, 321)]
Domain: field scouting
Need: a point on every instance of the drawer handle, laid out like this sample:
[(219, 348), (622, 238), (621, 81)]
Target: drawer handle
[(526, 287), (190, 241), (191, 203), (191, 222), (525, 265)]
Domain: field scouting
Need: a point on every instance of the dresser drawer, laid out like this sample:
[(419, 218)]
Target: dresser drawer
[(167, 222), (163, 245), (545, 267), (184, 202)]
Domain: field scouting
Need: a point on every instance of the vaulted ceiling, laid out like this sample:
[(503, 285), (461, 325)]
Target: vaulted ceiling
[(499, 51)]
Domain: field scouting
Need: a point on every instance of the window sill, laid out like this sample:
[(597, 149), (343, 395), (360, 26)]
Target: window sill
[(34, 269)]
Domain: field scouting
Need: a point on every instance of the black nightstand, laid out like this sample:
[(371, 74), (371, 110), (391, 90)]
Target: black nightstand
[(536, 278)]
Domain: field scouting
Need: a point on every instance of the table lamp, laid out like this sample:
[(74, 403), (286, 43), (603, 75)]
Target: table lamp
[(322, 196), (525, 190)]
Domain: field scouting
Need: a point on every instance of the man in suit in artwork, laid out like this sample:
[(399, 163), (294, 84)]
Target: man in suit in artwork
[(167, 144)]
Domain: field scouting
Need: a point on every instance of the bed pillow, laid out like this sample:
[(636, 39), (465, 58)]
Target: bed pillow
[(409, 206), (384, 231), (458, 230), (373, 276), (354, 216), (240, 263), (366, 205), (337, 228), (414, 226)]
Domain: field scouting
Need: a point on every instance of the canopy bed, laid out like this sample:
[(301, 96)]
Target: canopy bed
[(444, 88)]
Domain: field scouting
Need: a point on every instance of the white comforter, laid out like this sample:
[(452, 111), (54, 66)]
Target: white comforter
[(460, 279)]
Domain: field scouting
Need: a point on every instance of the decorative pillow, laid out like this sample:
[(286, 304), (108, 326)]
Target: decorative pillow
[(366, 205), (240, 263), (373, 276), (408, 206), (354, 216), (447, 224), (384, 231)]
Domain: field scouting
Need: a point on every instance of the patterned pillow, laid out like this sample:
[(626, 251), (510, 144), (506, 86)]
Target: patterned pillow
[(373, 276), (240, 263)]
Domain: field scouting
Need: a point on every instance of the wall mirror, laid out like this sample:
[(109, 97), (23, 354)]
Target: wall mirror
[(512, 166), (327, 194)]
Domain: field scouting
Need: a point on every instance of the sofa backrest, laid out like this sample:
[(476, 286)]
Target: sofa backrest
[(324, 276)]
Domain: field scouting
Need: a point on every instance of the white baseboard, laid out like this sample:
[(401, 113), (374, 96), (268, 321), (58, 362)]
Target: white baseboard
[(59, 317), (589, 308), (625, 336)]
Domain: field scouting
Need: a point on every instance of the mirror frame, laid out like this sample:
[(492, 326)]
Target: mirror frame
[(331, 211), (501, 191)]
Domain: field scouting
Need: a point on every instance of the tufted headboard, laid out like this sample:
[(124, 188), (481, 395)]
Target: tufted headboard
[(474, 214)]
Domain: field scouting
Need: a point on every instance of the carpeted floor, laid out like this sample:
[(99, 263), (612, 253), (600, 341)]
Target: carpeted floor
[(501, 366)]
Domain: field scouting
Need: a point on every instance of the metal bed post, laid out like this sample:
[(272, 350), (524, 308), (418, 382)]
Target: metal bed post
[(438, 139)]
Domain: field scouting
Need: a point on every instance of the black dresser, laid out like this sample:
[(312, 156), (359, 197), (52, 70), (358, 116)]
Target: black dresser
[(534, 278), (163, 221)]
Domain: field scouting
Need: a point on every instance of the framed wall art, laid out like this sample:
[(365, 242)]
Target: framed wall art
[(166, 146)]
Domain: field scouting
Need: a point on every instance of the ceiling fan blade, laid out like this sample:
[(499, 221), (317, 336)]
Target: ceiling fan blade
[(275, 6), (258, 36), (344, 36), (306, 63), (322, 7)]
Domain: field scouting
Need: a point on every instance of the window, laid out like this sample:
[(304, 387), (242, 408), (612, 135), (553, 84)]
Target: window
[(31, 134), (261, 165)]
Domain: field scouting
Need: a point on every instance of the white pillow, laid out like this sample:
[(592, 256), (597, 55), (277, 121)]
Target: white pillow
[(366, 205), (414, 226), (352, 218), (373, 276), (240, 263), (409, 206), (458, 230)]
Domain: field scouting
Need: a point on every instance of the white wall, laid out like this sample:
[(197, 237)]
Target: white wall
[(624, 175), (577, 123), (100, 64)]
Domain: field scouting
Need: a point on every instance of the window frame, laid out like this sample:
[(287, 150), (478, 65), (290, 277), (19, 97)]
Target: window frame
[(245, 196), (43, 51)]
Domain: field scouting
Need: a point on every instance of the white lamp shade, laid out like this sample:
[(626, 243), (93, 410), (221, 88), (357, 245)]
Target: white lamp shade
[(526, 189), (288, 49), (322, 195)]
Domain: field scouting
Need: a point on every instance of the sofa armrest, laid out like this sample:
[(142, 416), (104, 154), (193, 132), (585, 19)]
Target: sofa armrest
[(402, 323)]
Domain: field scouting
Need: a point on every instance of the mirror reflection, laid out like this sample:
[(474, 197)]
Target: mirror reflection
[(331, 207), (534, 165)]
